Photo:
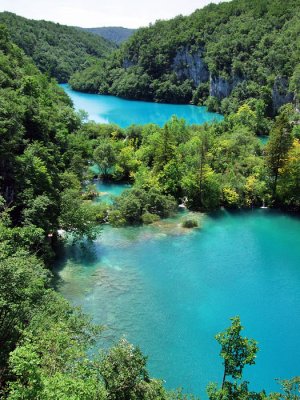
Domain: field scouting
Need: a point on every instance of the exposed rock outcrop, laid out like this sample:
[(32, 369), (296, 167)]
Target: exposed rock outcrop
[(280, 93), (220, 87), (188, 65)]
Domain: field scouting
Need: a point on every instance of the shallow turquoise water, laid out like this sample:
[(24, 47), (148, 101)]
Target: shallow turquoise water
[(108, 190), (111, 109), (264, 139), (171, 290)]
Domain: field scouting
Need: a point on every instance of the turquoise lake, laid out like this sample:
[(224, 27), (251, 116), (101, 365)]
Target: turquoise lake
[(170, 290), (111, 109)]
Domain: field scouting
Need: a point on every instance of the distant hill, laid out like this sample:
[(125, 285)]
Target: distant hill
[(115, 34), (56, 49), (220, 55)]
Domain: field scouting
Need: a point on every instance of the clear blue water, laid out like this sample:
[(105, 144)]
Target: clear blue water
[(263, 139), (111, 109), (108, 190), (171, 290)]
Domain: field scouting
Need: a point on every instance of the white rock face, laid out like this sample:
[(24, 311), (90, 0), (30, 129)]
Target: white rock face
[(220, 87)]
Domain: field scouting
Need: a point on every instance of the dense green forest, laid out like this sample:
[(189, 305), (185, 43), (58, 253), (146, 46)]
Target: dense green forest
[(57, 50), (221, 164), (115, 34), (220, 56), (46, 150)]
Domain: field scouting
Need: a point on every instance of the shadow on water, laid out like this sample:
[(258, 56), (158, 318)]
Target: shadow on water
[(78, 254)]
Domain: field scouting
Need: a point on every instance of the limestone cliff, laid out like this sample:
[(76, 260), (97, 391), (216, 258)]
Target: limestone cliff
[(191, 66)]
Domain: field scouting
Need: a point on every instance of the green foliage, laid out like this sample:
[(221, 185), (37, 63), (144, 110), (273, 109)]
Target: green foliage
[(278, 147), (50, 359), (248, 48), (137, 205), (116, 34), (149, 218), (123, 369), (291, 388), (234, 391), (46, 150), (190, 223), (76, 217), (104, 157), (41, 156), (56, 49), (236, 350), (23, 280)]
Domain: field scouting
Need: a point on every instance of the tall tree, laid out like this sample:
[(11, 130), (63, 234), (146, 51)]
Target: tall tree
[(281, 140)]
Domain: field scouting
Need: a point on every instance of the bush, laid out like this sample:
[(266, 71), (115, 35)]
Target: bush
[(116, 219), (149, 218), (190, 223)]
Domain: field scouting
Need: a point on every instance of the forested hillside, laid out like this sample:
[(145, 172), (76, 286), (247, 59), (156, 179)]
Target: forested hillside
[(43, 339), (115, 34), (57, 50), (220, 55), (45, 153)]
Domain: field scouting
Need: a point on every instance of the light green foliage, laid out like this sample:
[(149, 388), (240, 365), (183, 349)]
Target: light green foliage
[(22, 283), (291, 389), (211, 165), (149, 218), (50, 361), (277, 149), (77, 217), (288, 189), (123, 369), (104, 157), (236, 351)]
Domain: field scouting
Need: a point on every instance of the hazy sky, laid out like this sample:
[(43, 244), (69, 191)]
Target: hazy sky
[(94, 13)]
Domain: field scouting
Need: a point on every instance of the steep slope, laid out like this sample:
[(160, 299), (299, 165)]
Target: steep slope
[(56, 49), (115, 34), (239, 49)]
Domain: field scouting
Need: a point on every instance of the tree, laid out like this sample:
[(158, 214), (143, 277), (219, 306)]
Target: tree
[(104, 157), (291, 388), (77, 217), (236, 350), (125, 376), (289, 178), (22, 286), (279, 144)]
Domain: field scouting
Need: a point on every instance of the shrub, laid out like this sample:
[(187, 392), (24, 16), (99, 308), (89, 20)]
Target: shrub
[(149, 218), (190, 223)]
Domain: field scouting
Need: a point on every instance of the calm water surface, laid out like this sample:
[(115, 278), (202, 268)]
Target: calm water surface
[(171, 290), (109, 190), (111, 109)]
